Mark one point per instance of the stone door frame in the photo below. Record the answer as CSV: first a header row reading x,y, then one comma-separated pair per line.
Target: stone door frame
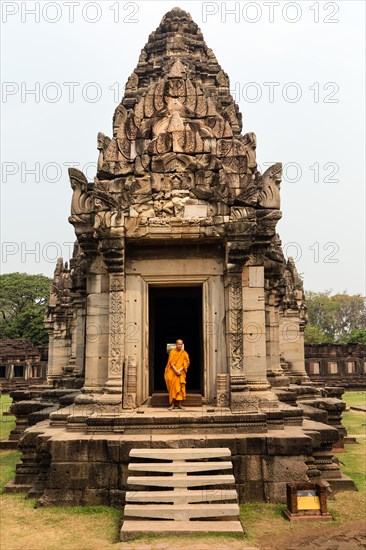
x,y
213,319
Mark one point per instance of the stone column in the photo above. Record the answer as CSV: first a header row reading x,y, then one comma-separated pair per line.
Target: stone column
x,y
275,373
292,345
9,371
80,341
130,382
254,332
27,371
97,333
58,353
76,363
72,359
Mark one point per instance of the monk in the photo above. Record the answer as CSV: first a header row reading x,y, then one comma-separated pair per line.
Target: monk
x,y
175,375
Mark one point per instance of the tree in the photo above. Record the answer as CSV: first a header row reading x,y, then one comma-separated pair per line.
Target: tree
x,y
23,300
335,317
315,335
356,336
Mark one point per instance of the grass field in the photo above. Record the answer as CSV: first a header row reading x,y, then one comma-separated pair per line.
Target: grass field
x,y
354,460
355,398
7,423
95,528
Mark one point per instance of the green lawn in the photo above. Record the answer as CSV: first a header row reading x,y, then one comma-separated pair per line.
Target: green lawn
x,y
7,423
354,460
8,461
355,398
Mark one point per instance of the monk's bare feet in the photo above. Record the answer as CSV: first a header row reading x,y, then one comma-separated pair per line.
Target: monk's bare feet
x,y
181,408
171,408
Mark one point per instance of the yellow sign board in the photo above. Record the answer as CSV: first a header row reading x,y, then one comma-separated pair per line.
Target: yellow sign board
x,y
308,500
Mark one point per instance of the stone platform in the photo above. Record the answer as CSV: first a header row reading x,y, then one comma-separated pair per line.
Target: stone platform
x,y
75,459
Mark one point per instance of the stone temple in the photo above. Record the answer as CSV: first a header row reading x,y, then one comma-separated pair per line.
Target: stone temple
x,y
176,238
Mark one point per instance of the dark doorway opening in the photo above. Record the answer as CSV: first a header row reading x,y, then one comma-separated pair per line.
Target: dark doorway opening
x,y
175,312
18,371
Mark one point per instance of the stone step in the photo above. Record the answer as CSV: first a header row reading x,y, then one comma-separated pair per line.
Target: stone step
x,y
179,466
180,480
342,483
132,529
12,487
181,454
8,444
182,496
162,400
181,512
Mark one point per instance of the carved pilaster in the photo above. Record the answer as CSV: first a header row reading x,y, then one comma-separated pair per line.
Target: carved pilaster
x,y
234,329
116,333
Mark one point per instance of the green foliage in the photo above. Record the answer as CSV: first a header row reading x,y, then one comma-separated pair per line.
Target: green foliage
x,y
315,335
22,306
340,318
356,336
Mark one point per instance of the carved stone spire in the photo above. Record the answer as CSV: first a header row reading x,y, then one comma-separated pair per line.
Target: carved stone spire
x,y
177,46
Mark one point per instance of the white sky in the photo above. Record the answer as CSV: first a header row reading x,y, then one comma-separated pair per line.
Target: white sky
x,y
313,49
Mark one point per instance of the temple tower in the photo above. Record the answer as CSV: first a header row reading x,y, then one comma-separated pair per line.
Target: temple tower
x,y
176,237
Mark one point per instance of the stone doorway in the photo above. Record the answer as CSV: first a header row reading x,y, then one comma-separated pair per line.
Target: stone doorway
x,y
175,312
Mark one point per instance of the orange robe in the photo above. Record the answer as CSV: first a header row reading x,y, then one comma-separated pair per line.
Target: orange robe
x,y
176,385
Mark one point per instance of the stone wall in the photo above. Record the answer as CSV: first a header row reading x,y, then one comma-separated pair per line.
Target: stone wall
x,y
337,365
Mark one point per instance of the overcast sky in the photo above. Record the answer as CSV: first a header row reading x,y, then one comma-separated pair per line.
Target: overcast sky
x,y
296,69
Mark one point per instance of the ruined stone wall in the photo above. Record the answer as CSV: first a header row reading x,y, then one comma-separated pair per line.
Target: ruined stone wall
x,y
337,365
21,365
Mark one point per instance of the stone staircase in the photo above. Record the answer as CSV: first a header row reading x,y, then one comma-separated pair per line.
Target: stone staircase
x,y
187,493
